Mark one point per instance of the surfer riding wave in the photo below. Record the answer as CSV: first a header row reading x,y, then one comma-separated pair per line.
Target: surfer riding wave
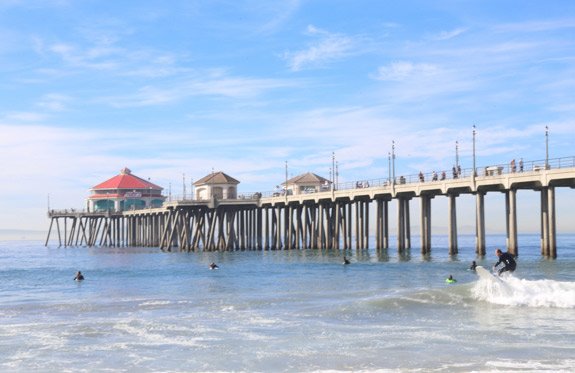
x,y
507,259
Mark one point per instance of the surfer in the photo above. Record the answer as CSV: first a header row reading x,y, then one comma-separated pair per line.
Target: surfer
x,y
346,261
473,266
214,266
79,276
450,280
508,261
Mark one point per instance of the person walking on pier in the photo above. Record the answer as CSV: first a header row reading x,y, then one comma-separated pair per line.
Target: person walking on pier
x,y
508,261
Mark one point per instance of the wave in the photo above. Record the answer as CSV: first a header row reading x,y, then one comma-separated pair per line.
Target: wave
x,y
513,291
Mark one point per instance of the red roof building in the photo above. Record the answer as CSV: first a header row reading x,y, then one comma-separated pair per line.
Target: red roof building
x,y
125,192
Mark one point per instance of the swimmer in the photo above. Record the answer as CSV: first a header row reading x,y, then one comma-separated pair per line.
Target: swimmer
x,y
214,266
473,266
79,276
345,261
450,280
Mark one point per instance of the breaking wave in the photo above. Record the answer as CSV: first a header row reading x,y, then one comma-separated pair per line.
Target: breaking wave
x,y
513,291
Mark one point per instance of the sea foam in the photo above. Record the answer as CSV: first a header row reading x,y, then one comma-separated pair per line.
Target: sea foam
x,y
513,291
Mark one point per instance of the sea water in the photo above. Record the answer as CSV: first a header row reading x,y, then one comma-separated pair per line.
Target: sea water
x,y
142,310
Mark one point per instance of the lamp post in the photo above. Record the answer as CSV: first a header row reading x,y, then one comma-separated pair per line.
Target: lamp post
x,y
286,182
393,161
389,167
333,171
546,147
474,152
336,173
184,186
457,154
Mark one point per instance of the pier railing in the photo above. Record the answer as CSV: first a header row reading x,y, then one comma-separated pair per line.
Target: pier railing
x,y
492,170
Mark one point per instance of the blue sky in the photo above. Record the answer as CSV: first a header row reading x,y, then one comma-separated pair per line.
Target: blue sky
x,y
184,87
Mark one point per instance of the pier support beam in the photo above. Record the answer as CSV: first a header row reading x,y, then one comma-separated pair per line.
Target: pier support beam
x,y
452,221
480,224
382,225
511,209
403,224
425,224
548,228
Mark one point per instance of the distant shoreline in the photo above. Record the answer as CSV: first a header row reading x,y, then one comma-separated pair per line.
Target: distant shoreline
x,y
22,235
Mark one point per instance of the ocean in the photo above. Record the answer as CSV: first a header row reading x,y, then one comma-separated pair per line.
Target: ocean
x,y
142,310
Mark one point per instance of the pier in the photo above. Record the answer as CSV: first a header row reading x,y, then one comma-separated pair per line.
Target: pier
x,y
338,218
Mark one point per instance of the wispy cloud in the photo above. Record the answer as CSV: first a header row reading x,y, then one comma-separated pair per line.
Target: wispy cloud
x,y
328,48
446,35
403,70
212,84
24,116
54,102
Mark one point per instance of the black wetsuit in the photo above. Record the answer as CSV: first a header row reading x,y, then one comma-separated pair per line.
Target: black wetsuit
x,y
509,262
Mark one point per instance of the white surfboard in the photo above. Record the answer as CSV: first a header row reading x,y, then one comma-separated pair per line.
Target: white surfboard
x,y
485,274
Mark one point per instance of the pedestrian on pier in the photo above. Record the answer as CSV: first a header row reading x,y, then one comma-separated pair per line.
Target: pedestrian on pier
x,y
434,176
521,165
454,172
513,165
421,178
443,175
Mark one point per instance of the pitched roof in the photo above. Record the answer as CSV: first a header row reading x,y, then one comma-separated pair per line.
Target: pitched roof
x,y
217,178
307,178
125,180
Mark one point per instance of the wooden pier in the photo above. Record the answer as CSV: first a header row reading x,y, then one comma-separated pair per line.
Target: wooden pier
x,y
335,219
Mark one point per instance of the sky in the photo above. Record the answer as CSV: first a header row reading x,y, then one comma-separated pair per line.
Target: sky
x,y
176,89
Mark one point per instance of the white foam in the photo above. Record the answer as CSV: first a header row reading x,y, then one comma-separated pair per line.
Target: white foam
x,y
514,291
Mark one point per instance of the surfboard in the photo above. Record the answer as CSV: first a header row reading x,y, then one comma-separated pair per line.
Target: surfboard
x,y
485,274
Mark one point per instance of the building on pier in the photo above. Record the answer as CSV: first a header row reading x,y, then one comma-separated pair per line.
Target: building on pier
x,y
125,192
306,183
216,185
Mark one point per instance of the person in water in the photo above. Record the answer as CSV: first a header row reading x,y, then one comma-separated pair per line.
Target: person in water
x,y
214,266
473,266
508,261
79,276
450,279
346,261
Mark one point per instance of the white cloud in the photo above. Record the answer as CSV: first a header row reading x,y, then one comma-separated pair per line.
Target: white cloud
x,y
24,116
403,70
54,102
215,84
328,48
446,35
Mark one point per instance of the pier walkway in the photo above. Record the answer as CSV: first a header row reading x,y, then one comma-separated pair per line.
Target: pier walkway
x,y
334,219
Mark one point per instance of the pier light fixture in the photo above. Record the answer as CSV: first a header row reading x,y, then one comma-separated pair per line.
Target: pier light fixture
x,y
393,161
389,167
474,151
457,154
286,185
546,147
336,173
333,171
